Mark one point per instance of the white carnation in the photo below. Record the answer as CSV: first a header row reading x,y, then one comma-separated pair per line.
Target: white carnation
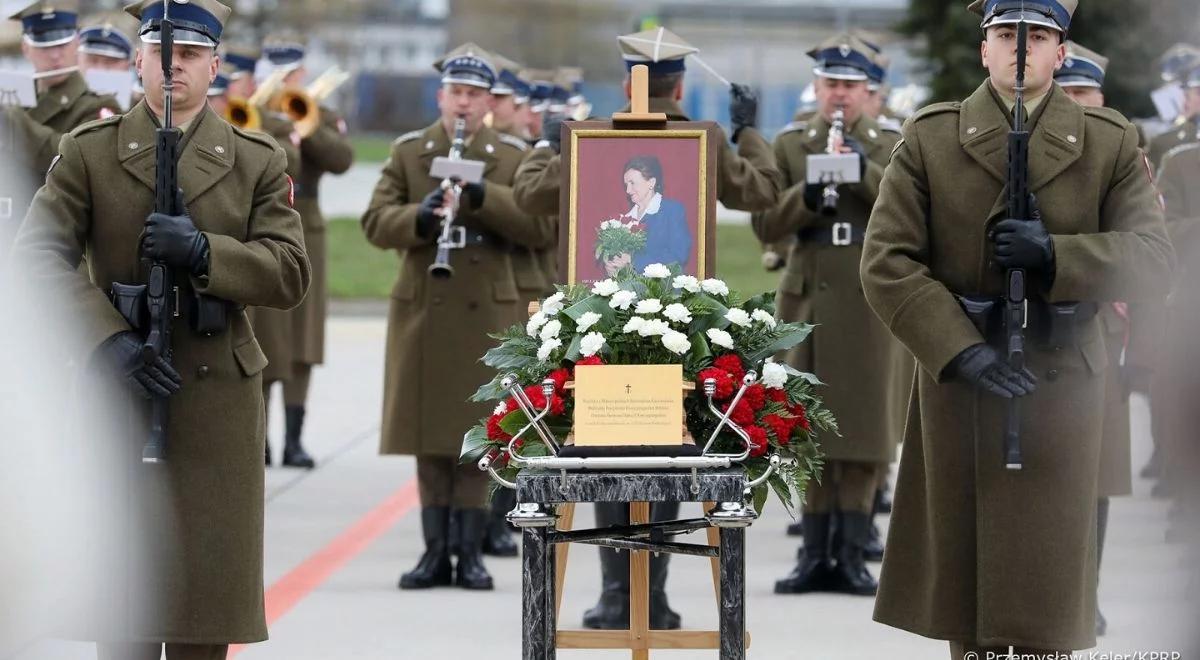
x,y
591,344
656,271
678,313
653,328
550,330
548,347
676,342
648,306
500,409
587,320
622,300
605,288
607,224
634,324
720,338
738,317
535,322
715,287
774,375
687,283
554,304
763,317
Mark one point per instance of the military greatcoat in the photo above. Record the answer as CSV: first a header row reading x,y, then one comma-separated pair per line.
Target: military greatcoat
x,y
983,554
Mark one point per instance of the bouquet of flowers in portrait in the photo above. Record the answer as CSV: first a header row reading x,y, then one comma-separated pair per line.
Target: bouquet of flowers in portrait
x,y
615,238
661,317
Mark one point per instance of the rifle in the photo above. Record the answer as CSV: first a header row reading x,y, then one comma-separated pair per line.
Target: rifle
x,y
161,294
1015,302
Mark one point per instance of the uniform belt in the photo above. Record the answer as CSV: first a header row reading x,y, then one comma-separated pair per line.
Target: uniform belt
x,y
839,234
465,237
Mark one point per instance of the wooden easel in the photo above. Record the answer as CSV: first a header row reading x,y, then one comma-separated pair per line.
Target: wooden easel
x,y
639,639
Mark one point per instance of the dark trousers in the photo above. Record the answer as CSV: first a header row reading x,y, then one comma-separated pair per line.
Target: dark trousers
x,y
443,482
844,486
151,651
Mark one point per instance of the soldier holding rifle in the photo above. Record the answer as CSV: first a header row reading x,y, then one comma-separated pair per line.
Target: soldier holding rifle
x,y
233,241
982,554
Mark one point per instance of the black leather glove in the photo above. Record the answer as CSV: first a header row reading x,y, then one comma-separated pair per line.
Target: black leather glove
x,y
1024,244
122,353
552,130
814,195
981,366
743,109
429,213
856,147
473,193
174,239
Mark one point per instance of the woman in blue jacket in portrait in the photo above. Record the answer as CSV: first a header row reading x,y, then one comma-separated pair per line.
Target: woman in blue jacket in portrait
x,y
668,239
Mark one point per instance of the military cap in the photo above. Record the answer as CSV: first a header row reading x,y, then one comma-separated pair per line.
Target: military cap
x,y
240,60
506,74
1177,61
197,22
1192,78
109,34
1081,68
843,57
220,84
1054,14
877,74
540,89
284,50
47,23
559,98
467,65
661,50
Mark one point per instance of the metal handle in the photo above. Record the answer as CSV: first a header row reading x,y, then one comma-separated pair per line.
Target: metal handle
x,y
710,389
771,468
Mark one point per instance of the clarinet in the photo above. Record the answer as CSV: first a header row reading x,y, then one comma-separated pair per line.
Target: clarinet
x,y
441,268
833,144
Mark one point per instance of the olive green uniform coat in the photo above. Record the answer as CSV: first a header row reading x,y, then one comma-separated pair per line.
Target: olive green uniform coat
x,y
851,351
1186,133
438,328
978,553
202,511
747,179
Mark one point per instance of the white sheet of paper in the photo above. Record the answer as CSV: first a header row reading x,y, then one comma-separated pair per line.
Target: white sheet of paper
x,y
468,171
17,89
117,83
833,168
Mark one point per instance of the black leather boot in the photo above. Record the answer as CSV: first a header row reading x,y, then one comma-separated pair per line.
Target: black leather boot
x,y
813,572
433,569
873,550
796,528
612,611
662,617
497,542
469,571
883,501
293,453
267,443
850,575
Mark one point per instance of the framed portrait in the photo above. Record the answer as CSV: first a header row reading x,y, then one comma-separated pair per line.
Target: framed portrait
x,y
636,196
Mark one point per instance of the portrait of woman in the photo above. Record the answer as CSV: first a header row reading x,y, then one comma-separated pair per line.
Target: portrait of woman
x,y
663,220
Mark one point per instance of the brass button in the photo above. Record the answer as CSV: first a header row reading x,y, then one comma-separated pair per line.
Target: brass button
x,y
1052,375
219,149
972,131
133,145
202,371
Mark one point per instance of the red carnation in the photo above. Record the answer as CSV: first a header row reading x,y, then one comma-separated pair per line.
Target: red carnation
x,y
731,364
560,378
742,415
590,360
725,385
758,440
781,427
801,415
776,395
534,392
755,396
494,432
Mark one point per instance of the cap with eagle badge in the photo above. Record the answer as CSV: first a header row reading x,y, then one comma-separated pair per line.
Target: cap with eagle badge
x,y
220,84
844,57
508,81
240,60
46,23
1177,61
467,65
197,22
540,88
284,50
1053,14
110,34
1081,68
661,50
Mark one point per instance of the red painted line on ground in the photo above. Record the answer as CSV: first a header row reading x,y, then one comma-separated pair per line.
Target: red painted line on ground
x,y
294,587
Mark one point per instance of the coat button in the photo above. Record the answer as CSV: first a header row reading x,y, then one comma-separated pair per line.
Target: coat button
x,y
437,300
1052,375
472,305
823,286
202,371
972,130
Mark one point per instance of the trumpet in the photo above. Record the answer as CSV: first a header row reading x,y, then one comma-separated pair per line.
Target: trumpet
x,y
833,145
245,113
441,268
303,106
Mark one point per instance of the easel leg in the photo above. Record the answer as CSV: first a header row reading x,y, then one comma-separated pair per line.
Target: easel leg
x,y
537,596
566,522
733,594
639,587
714,539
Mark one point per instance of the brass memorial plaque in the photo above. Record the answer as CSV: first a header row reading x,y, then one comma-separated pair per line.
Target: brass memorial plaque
x,y
628,405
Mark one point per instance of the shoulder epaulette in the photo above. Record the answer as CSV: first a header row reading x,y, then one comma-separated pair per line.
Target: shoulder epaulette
x,y
937,109
1108,114
97,124
407,137
891,126
793,127
514,141
261,138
